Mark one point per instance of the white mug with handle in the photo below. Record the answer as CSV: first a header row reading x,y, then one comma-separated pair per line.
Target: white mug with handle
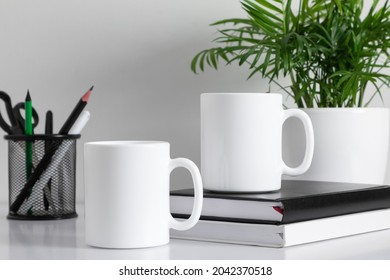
x,y
127,193
241,141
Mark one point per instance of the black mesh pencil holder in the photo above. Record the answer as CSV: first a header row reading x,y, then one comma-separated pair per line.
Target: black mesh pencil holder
x,y
42,176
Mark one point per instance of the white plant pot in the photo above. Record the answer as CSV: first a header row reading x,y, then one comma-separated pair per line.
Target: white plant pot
x,y
351,145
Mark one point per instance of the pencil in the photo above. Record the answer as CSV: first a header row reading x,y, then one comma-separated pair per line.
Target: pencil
x,y
76,112
28,132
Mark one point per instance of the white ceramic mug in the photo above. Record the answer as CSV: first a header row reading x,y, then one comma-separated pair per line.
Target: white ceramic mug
x,y
241,141
127,193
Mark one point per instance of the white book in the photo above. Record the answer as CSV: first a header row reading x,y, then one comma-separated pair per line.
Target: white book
x,y
285,235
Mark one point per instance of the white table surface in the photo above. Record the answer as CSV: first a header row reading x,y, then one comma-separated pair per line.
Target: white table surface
x,y
64,239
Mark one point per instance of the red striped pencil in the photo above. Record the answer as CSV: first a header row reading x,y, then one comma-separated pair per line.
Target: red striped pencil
x,y
76,112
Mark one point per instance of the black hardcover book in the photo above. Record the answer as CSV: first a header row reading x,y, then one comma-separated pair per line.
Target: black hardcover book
x,y
296,201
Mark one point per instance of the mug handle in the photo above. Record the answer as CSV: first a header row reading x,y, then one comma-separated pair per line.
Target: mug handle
x,y
198,197
309,151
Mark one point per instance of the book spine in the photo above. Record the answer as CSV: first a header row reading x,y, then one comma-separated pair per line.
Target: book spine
x,y
317,207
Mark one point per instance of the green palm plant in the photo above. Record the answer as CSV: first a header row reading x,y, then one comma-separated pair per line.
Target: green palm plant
x,y
330,49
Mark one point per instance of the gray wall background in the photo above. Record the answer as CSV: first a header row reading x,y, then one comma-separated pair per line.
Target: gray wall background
x,y
136,53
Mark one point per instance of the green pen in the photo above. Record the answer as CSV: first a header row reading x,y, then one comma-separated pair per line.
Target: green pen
x,y
28,132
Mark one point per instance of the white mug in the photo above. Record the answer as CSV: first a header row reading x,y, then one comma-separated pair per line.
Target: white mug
x,y
241,141
127,193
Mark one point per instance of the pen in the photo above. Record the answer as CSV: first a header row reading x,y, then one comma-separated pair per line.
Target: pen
x,y
76,112
48,131
49,123
80,123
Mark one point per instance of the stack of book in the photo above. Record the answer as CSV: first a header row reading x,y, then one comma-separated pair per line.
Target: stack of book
x,y
300,212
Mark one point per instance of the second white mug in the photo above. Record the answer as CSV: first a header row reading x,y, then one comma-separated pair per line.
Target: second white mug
x,y
241,141
127,193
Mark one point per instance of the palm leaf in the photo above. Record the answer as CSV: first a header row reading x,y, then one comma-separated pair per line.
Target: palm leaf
x,y
329,50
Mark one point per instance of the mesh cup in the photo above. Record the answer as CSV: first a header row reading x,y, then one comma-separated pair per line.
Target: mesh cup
x,y
54,199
